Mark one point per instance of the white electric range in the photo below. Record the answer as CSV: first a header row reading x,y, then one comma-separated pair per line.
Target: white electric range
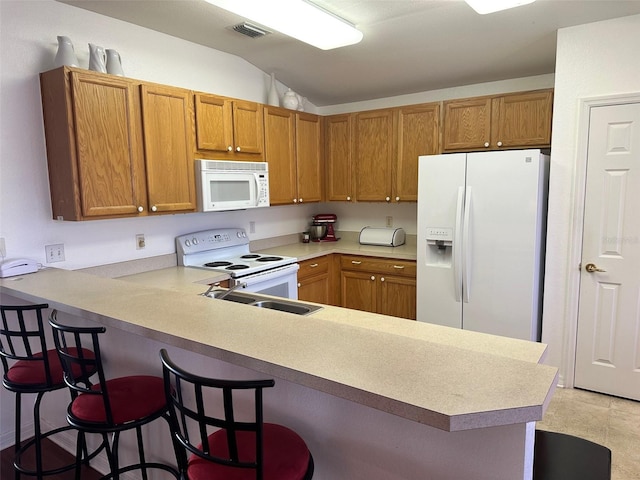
x,y
227,250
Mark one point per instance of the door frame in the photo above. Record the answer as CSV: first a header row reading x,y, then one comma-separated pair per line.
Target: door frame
x,y
577,230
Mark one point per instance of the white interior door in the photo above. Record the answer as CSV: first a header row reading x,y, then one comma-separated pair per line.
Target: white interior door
x,y
608,338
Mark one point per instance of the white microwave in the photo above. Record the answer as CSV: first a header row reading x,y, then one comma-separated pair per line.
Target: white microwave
x,y
228,185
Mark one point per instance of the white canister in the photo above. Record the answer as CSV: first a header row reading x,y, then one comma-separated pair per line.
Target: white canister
x,y
97,58
114,63
66,55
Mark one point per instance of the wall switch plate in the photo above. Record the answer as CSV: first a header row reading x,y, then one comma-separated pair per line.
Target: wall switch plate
x,y
252,227
3,248
389,221
140,242
55,253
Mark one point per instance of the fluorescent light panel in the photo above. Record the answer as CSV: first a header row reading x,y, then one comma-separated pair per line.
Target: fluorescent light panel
x,y
298,19
489,6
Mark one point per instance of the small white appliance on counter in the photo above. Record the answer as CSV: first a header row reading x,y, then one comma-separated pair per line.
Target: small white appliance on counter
x,y
386,237
481,241
227,185
226,250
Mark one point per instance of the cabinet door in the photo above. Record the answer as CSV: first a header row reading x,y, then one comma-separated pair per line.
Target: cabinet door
x,y
315,289
374,155
309,157
110,167
522,120
338,158
467,124
214,123
397,297
279,125
167,115
419,132
358,291
248,127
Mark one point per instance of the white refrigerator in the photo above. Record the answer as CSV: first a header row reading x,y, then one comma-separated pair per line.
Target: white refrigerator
x,y
481,238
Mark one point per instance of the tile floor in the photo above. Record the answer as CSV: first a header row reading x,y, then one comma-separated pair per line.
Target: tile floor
x,y
610,421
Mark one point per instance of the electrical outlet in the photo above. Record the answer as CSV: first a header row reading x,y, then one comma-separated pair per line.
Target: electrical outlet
x,y
140,243
252,227
55,253
389,221
3,248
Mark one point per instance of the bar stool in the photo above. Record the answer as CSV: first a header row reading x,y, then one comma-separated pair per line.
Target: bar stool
x,y
558,456
32,373
110,406
239,449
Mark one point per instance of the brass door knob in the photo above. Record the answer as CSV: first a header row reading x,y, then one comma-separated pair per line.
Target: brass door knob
x,y
592,267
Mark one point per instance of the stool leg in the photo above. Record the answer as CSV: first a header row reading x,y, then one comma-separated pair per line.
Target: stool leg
x,y
141,451
17,430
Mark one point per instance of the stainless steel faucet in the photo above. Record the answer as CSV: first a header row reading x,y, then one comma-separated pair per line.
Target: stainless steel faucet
x,y
224,294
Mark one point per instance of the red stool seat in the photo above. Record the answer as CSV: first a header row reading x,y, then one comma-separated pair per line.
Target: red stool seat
x,y
33,373
285,456
131,398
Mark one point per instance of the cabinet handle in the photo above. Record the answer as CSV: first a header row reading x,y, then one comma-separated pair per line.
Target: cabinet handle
x,y
313,265
355,262
229,148
237,149
348,199
300,200
499,144
154,209
299,284
397,199
388,198
372,277
295,200
399,267
486,144
382,279
140,208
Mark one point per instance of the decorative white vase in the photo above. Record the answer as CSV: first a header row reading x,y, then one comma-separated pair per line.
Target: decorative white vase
x,y
66,55
273,98
97,58
290,100
114,63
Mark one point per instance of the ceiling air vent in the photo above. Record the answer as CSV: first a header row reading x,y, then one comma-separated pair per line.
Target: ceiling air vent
x,y
250,30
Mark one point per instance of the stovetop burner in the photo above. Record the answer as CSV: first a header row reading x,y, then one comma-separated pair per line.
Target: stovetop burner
x,y
217,264
237,267
251,255
269,259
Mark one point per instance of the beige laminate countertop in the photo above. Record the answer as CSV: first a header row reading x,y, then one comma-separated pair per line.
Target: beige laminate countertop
x,y
446,378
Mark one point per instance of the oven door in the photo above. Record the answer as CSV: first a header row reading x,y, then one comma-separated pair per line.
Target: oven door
x,y
278,282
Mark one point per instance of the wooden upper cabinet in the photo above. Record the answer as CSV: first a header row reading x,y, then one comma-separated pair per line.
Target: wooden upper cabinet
x,y
309,157
94,145
374,150
467,124
418,134
167,116
279,143
338,157
517,120
522,120
116,147
233,129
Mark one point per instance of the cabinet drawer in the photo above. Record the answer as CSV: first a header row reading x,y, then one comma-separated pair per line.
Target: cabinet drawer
x,y
379,265
313,266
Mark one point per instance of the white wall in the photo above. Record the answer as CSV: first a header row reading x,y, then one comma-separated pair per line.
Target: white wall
x,y
593,60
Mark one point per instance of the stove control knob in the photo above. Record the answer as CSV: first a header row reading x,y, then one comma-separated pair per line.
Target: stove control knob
x,y
194,241
187,243
239,234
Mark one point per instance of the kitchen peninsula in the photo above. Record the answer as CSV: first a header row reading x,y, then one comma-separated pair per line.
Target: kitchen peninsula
x,y
373,397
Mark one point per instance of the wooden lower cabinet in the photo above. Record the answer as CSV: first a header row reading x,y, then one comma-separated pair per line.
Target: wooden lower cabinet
x,y
314,280
378,285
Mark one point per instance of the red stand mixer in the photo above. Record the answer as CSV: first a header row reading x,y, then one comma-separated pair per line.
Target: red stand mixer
x,y
327,220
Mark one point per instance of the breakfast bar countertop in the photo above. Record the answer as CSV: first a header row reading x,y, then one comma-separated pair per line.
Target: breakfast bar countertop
x,y
442,377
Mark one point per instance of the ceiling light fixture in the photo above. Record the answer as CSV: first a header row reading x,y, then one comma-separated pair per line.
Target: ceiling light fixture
x,y
489,6
296,18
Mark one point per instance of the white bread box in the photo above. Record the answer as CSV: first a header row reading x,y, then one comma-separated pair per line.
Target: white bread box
x,y
387,237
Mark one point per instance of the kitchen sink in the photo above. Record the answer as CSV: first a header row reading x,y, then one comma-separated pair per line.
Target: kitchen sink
x,y
260,301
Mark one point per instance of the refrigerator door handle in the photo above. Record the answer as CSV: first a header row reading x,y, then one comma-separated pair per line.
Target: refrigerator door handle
x,y
466,242
457,247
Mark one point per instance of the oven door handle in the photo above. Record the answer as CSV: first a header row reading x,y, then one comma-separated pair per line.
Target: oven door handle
x,y
263,276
